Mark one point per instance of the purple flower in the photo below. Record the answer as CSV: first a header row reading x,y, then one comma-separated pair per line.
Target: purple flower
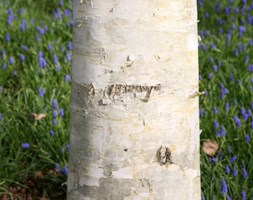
x,y
54,114
227,106
223,132
67,147
41,92
233,159
4,66
11,60
244,172
234,171
42,62
244,195
58,67
224,91
23,25
40,30
215,124
51,132
227,169
25,145
69,46
54,104
7,37
61,3
237,121
55,59
68,56
203,48
215,110
67,78
49,47
25,48
61,112
54,122
224,187
22,57
59,15
57,167
228,197
10,17
247,138
65,170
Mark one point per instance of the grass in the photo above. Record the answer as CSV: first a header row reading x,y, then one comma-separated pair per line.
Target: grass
x,y
35,48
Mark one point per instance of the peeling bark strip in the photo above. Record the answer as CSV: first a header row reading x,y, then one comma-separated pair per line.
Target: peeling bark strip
x,y
119,89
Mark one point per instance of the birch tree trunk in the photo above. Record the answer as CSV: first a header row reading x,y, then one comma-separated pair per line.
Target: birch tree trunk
x,y
134,105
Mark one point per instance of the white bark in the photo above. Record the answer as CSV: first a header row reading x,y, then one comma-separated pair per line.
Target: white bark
x,y
117,124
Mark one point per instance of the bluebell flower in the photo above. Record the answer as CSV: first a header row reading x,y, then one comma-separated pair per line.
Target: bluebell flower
x,y
4,66
206,15
209,75
10,17
7,37
237,121
54,122
11,60
49,47
61,112
59,15
250,42
203,46
54,114
228,197
61,2
233,159
67,12
215,124
212,46
54,104
217,8
215,110
68,56
213,159
227,10
41,92
3,53
57,167
38,39
244,172
227,169
246,59
220,30
247,138
69,46
23,25
67,147
51,132
224,187
67,78
244,197
58,67
65,170
42,62
25,145
223,132
234,171
40,30
22,57
25,48
227,106
224,91
55,58
215,68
